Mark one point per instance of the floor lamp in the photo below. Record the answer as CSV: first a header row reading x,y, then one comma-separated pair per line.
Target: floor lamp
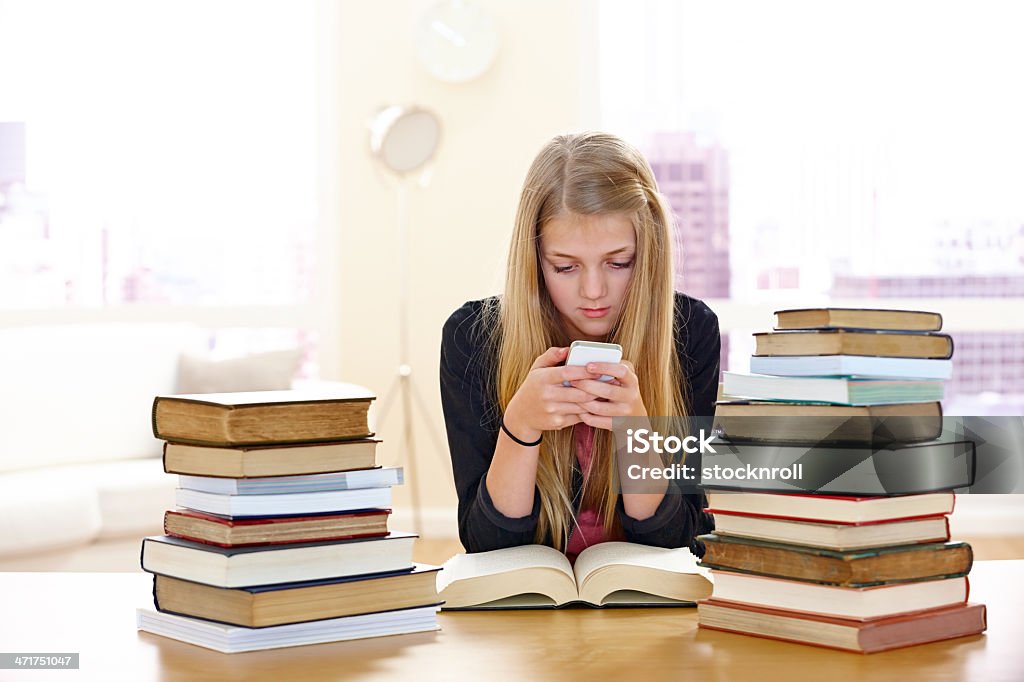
x,y
404,140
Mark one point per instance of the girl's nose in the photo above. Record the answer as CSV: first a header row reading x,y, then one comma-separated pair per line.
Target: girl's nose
x,y
593,285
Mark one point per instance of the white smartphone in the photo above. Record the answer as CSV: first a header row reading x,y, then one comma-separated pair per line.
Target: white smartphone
x,y
585,352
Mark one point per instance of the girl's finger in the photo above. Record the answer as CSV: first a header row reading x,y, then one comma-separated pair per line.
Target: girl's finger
x,y
563,394
563,408
560,421
596,421
602,389
613,369
560,375
604,409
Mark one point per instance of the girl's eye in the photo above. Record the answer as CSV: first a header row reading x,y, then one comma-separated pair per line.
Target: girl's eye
x,y
622,265
563,268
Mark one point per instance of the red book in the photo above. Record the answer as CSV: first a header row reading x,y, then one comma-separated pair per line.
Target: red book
x,y
222,531
881,634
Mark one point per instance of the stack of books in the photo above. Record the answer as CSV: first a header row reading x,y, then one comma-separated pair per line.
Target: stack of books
x,y
860,572
281,536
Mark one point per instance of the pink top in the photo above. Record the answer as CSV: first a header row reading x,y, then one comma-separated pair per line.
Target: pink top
x,y
590,529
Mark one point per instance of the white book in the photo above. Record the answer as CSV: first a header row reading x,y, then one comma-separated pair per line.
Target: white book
x,y
838,390
859,603
275,564
826,508
839,537
605,574
284,503
380,477
231,639
851,365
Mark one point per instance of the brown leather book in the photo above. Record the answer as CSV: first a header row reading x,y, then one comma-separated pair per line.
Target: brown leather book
x,y
869,342
862,318
263,417
851,568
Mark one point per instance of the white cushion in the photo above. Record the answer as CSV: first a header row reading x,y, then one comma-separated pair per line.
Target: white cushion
x,y
39,513
132,495
83,393
271,371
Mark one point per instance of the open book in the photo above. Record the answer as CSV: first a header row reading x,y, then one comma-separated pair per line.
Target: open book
x,y
606,574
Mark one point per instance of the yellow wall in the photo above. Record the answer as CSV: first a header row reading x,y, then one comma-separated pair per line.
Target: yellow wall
x,y
540,85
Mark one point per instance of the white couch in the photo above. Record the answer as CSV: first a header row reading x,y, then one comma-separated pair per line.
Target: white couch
x,y
78,460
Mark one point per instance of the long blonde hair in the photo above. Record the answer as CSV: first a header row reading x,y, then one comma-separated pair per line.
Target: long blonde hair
x,y
587,174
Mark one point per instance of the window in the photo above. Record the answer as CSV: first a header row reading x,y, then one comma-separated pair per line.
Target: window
x,y
139,171
830,164
160,155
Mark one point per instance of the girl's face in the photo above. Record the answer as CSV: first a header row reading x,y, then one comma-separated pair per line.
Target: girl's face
x,y
587,261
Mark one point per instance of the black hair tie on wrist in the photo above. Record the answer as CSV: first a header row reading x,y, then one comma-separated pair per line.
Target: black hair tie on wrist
x,y
521,442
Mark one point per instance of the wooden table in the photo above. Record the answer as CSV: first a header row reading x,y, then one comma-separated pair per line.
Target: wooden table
x,y
94,614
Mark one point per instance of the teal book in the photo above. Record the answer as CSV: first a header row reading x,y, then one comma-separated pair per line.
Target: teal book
x,y
836,390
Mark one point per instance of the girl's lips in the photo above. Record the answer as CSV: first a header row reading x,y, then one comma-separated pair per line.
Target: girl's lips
x,y
595,312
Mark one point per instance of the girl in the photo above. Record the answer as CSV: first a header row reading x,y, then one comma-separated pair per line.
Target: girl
x,y
590,259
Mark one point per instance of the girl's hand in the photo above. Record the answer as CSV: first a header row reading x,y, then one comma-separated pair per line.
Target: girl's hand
x,y
542,402
619,397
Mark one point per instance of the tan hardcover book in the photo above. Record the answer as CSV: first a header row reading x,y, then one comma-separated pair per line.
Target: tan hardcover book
x,y
816,423
269,460
871,636
257,607
853,568
860,318
263,417
854,342
606,574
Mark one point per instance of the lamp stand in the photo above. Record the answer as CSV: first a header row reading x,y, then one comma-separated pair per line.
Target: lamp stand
x,y
402,384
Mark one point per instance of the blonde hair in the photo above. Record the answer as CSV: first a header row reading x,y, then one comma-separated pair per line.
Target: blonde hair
x,y
587,174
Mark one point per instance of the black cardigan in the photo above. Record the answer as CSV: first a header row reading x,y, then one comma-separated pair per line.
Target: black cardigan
x,y
472,418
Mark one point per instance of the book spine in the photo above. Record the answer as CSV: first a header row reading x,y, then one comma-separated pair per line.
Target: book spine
x,y
156,427
282,543
779,638
829,521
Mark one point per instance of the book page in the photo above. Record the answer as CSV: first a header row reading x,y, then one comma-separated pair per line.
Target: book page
x,y
529,600
636,597
480,564
679,560
328,392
